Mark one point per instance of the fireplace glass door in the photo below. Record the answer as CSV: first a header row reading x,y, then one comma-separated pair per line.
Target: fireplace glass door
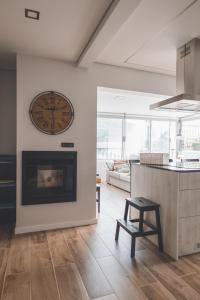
x,y
48,177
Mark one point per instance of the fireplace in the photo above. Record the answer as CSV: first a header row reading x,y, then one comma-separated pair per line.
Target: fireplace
x,y
48,177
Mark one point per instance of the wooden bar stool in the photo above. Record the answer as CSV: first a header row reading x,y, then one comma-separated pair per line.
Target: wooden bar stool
x,y
142,205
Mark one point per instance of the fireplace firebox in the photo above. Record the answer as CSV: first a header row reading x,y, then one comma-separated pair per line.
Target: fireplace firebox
x,y
48,177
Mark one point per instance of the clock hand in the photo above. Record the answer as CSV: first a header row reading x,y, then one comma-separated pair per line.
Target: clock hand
x,y
60,108
66,112
53,119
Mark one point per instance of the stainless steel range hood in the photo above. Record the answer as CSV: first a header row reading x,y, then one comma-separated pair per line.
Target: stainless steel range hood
x,y
187,81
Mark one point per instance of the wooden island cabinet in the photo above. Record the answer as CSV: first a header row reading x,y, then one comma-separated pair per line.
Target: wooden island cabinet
x,y
177,190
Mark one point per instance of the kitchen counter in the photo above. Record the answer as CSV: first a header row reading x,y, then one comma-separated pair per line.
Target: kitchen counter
x,y
184,167
177,190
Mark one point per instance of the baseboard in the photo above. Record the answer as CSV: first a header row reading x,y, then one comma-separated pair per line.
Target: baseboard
x,y
44,227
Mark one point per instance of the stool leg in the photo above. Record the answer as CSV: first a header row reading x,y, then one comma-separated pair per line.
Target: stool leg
x,y
117,232
98,201
160,242
126,210
133,246
141,221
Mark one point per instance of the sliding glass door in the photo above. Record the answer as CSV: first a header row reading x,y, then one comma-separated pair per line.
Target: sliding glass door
x,y
137,137
109,138
160,136
191,139
124,137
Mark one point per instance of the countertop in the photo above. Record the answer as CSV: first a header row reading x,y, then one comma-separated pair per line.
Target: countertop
x,y
186,167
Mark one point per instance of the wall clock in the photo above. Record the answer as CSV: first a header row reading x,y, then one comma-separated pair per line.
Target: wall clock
x,y
51,112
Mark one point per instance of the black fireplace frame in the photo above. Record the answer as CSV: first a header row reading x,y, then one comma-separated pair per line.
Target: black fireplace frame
x,y
54,195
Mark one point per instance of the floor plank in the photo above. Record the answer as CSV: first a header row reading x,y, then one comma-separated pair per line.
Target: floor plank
x,y
194,281
119,279
157,291
70,233
177,286
3,266
181,267
17,286
94,242
137,271
19,255
87,264
70,283
150,259
109,297
92,276
38,237
43,283
158,265
194,260
59,249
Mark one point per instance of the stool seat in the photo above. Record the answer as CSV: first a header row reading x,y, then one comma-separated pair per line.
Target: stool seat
x,y
142,203
98,187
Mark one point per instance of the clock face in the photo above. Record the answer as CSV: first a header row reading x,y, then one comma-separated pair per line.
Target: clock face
x,y
51,112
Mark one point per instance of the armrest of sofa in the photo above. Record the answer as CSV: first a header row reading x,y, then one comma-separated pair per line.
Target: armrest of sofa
x,y
107,176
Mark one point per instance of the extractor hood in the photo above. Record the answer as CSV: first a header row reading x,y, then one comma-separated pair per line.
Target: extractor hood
x,y
187,81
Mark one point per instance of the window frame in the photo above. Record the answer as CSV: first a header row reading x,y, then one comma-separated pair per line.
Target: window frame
x,y
125,117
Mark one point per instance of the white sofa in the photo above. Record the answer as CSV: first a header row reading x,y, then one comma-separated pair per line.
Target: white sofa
x,y
120,180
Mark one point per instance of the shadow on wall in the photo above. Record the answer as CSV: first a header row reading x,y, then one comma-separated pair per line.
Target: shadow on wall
x,y
7,111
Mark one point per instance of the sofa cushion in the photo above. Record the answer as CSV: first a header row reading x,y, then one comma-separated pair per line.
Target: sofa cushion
x,y
119,165
120,161
114,174
110,165
125,177
124,169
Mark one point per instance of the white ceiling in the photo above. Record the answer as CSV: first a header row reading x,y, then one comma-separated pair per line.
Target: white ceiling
x,y
149,38
141,34
63,30
130,102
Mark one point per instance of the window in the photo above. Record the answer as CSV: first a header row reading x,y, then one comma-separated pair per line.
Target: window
x,y
109,138
160,136
172,140
122,137
191,139
137,137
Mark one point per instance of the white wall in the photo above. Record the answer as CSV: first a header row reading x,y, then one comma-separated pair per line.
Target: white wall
x,y
7,111
35,75
101,169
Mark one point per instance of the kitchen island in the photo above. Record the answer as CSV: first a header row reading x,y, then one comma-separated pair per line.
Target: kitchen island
x,y
177,190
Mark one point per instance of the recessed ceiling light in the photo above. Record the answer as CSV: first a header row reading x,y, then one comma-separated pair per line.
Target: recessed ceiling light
x,y
119,98
32,14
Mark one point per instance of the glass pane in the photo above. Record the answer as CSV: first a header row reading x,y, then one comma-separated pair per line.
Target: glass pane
x,y
109,138
191,139
172,139
137,137
160,136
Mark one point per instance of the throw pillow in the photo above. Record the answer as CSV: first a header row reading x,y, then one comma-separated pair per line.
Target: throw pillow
x,y
110,165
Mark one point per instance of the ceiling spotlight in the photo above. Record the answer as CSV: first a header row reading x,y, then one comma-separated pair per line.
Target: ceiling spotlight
x,y
119,98
32,14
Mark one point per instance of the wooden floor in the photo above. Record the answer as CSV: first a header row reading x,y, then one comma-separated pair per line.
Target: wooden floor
x,y
85,263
